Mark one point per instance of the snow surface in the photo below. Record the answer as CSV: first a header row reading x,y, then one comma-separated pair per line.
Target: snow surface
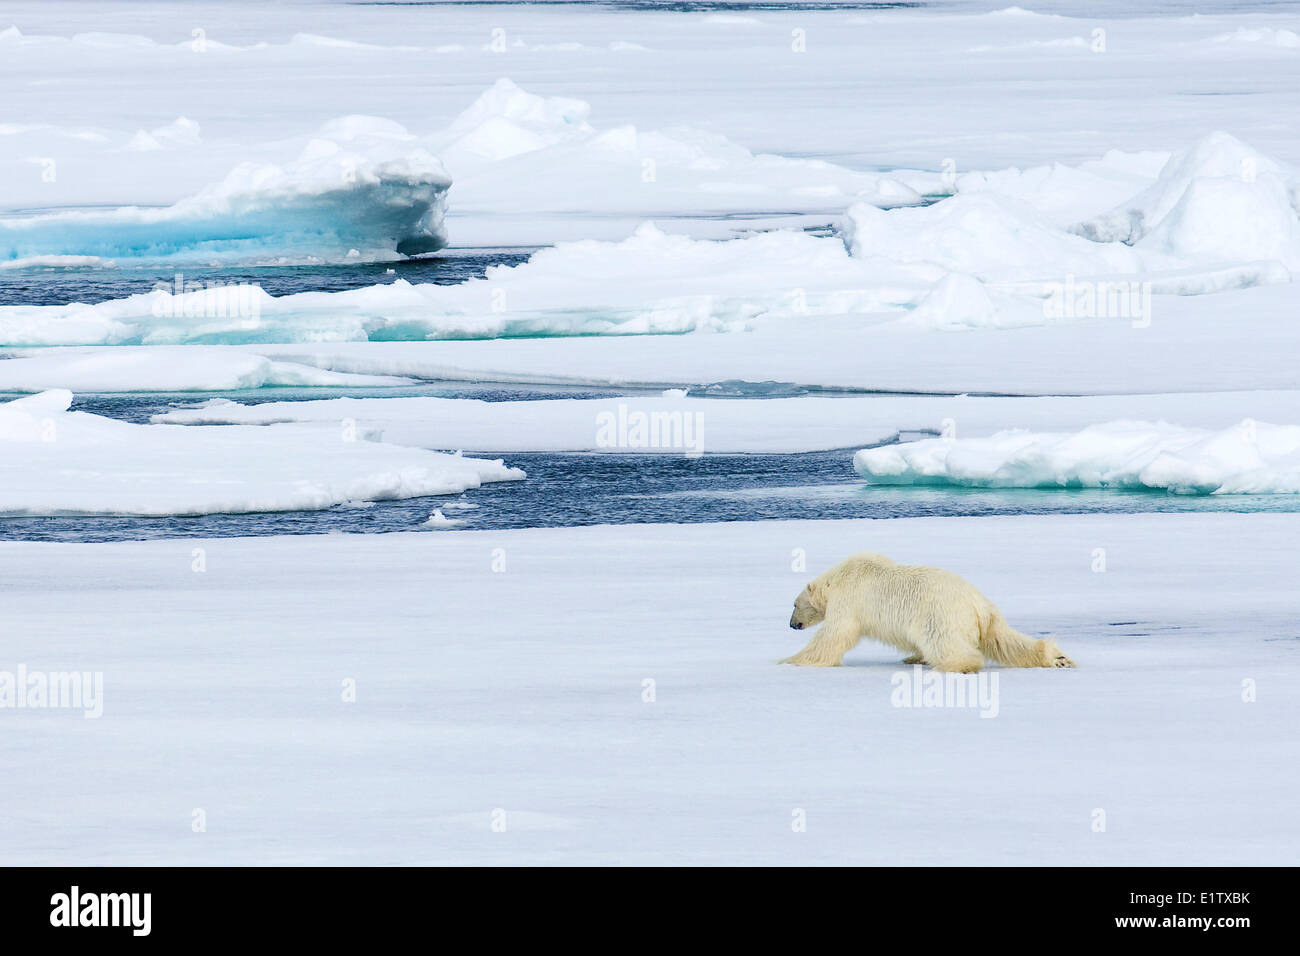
x,y
59,462
769,425
1036,96
1239,340
523,691
165,369
510,136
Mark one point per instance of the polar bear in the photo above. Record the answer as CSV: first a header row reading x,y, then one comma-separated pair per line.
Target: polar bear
x,y
935,616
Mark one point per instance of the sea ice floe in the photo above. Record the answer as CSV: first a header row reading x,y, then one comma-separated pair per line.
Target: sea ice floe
x,y
670,424
985,235
652,282
1218,215
56,461
370,184
440,522
1248,458
368,190
510,136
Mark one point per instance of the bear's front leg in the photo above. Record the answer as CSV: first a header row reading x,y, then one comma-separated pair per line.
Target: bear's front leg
x,y
914,659
828,646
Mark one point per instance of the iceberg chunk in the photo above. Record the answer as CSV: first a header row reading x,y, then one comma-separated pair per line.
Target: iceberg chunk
x,y
1249,458
1218,197
366,189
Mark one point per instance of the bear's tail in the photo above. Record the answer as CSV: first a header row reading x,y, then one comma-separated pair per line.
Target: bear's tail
x,y
1001,642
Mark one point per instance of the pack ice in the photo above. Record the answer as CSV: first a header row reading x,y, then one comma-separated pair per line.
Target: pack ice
x,y
55,461
1248,458
1215,216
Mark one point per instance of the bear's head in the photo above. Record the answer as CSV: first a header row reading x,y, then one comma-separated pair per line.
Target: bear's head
x,y
809,606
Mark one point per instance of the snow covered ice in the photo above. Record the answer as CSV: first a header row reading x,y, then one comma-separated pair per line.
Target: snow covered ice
x,y
654,282
1249,458
482,353
356,188
164,369
542,715
751,425
1218,216
56,461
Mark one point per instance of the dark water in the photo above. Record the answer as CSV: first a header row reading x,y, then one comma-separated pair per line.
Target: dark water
x,y
141,408
55,286
1067,8
564,490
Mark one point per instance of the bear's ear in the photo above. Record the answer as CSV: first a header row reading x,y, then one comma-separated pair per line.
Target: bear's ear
x,y
816,593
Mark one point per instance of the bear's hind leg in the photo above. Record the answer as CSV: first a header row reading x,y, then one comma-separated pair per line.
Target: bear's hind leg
x,y
947,649
944,648
1052,655
960,661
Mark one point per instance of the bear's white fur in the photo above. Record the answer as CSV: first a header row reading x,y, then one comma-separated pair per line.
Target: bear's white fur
x,y
935,616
